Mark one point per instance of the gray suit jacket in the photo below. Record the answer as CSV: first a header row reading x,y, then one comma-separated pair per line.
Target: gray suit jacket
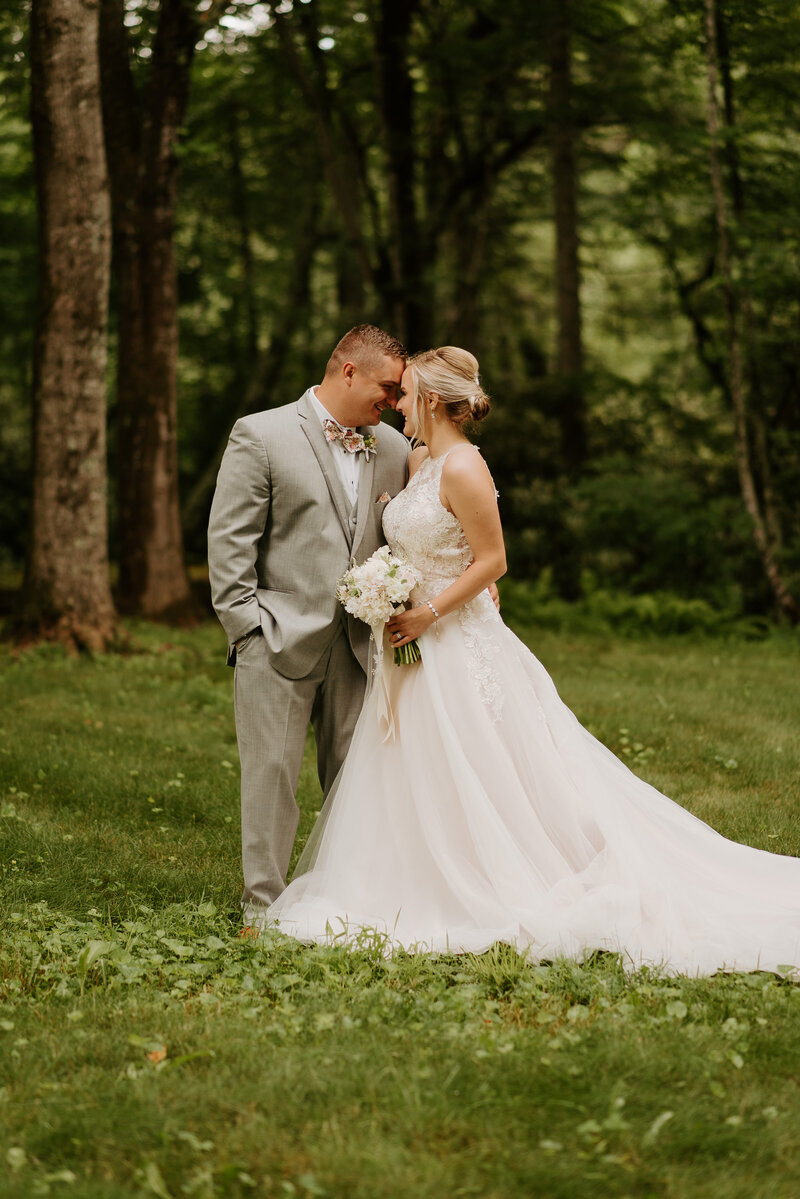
x,y
282,533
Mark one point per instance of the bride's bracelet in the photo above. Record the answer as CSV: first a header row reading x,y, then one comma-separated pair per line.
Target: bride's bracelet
x,y
433,610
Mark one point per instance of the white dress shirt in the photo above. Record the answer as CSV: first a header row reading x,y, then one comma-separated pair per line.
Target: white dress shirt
x,y
348,465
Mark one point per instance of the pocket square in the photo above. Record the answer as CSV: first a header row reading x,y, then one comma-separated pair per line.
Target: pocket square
x,y
383,498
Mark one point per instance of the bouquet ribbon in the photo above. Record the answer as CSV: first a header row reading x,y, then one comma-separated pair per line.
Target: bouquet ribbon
x,y
381,680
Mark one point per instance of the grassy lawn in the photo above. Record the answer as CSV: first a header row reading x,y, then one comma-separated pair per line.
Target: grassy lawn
x,y
145,1050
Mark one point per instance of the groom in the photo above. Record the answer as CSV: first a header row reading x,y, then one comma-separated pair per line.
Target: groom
x,y
300,494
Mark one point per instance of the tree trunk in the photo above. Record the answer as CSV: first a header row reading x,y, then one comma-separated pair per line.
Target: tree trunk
x,y
730,147
469,237
756,420
351,293
141,136
241,209
66,590
569,355
567,386
398,263
339,158
411,301
786,603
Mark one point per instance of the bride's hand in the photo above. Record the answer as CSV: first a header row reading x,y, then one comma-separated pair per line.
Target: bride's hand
x,y
409,624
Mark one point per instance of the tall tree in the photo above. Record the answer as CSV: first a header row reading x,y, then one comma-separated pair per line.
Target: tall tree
x,y
142,124
569,352
66,591
736,384
410,296
414,150
266,367
18,278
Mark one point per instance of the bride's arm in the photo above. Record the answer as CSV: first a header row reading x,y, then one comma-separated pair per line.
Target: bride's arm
x,y
469,492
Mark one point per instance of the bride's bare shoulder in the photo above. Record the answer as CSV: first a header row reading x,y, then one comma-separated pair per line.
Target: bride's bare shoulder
x,y
466,476
416,459
459,465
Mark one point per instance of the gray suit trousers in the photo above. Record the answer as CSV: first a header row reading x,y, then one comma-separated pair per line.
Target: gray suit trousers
x,y
272,717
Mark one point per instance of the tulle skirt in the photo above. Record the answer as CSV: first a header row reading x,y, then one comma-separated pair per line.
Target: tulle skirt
x,y
488,813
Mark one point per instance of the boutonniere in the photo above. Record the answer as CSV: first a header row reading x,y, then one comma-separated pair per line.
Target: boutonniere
x,y
383,498
370,446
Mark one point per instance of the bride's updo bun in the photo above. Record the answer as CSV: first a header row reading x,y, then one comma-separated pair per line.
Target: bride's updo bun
x,y
452,373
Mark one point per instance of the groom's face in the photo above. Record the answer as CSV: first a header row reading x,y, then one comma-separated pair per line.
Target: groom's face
x,y
373,388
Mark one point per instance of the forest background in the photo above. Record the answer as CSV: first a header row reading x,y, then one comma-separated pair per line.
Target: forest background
x,y
599,198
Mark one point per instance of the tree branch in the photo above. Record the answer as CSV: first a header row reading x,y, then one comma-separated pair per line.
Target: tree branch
x,y
268,365
313,87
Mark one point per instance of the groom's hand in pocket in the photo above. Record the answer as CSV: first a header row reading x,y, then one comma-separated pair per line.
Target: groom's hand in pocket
x,y
238,644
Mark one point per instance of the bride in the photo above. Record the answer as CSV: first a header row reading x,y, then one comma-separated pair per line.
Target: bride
x,y
481,810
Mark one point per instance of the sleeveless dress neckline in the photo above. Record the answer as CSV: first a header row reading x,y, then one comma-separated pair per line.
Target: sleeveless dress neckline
x,y
441,457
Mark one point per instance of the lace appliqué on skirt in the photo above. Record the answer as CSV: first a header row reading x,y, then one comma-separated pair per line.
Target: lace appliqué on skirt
x,y
476,619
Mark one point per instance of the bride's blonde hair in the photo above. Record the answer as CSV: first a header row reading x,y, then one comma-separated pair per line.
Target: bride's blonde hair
x,y
452,373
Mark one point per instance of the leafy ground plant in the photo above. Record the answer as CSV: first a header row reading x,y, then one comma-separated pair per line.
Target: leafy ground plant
x,y
145,1049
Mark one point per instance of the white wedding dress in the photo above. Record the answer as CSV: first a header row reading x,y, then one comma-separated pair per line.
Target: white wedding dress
x,y
488,813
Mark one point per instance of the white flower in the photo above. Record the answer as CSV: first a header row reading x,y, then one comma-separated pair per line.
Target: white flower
x,y
373,590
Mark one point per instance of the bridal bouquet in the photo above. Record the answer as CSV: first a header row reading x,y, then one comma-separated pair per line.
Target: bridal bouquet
x,y
373,590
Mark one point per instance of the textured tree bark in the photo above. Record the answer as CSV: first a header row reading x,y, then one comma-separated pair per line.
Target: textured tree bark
x,y
141,135
569,355
786,603
66,592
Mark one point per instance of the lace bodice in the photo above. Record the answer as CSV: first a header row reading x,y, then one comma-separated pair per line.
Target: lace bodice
x,y
420,529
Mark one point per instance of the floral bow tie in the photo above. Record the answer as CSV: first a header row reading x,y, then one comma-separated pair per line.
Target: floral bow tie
x,y
353,442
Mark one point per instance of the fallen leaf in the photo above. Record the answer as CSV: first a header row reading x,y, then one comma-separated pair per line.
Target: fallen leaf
x,y
154,1181
16,1158
656,1126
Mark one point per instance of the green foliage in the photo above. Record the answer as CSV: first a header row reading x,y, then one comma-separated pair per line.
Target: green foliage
x,y
639,528
657,507
600,610
354,1074
660,529
148,1050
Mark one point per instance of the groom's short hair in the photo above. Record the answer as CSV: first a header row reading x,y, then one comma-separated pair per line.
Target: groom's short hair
x,y
365,345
